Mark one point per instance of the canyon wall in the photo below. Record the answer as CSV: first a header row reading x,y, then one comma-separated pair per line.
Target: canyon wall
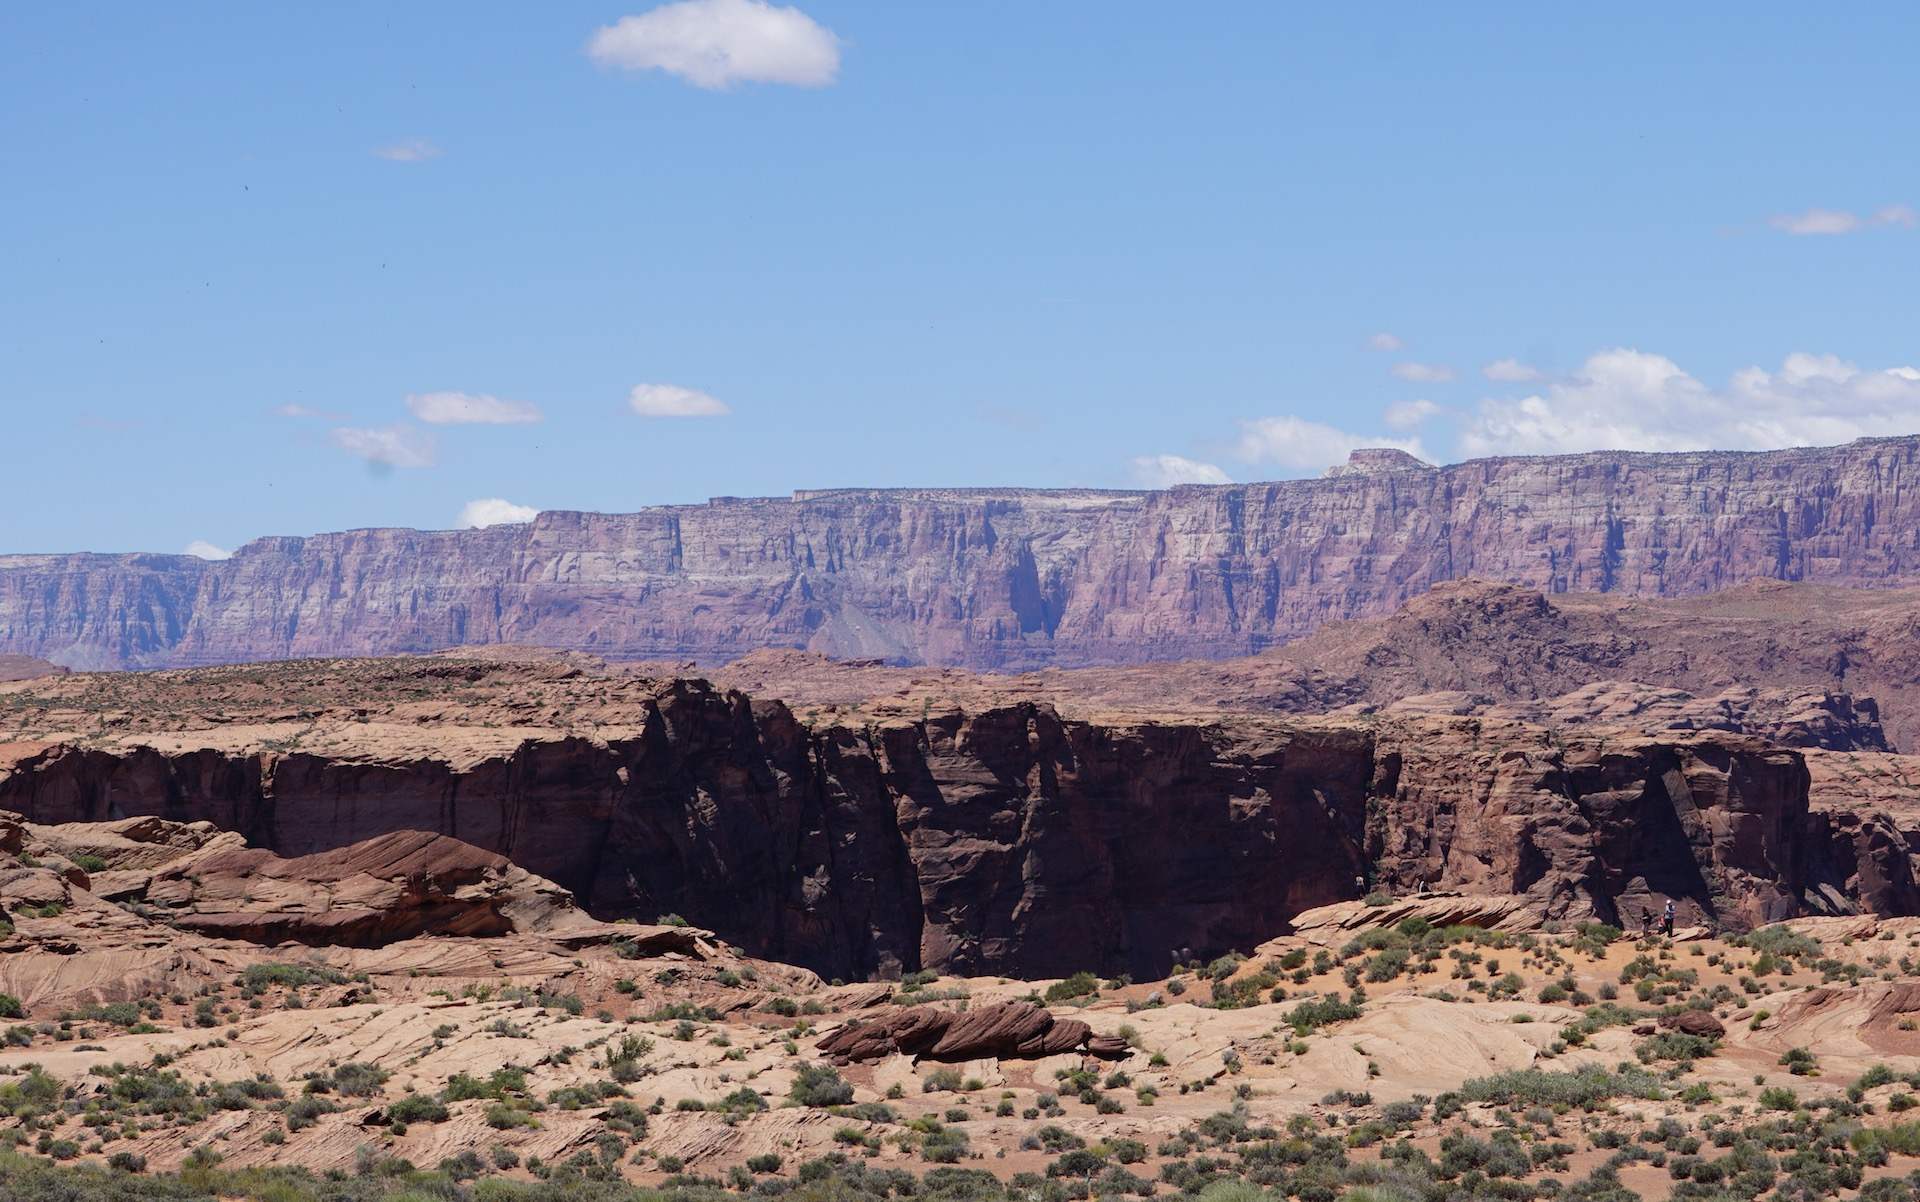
x,y
999,579
1015,841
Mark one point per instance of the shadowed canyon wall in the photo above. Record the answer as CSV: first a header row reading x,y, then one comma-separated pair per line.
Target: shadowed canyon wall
x,y
1015,841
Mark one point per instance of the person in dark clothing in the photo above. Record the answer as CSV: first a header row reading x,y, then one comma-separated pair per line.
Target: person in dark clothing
x,y
1666,920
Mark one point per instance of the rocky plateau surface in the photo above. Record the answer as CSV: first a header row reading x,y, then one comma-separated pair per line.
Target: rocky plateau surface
x,y
1014,838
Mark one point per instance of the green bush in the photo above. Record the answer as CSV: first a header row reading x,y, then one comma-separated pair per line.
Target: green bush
x,y
416,1109
818,1085
1079,985
1583,1088
1320,1012
259,977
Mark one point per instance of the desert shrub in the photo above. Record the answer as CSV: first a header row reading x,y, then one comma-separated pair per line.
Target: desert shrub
x,y
1899,1139
358,1080
1800,1062
1585,1087
1674,1045
741,1101
941,1079
1246,991
1781,941
818,1085
303,1112
1320,1012
35,1093
259,977
417,1109
504,1117
944,1146
1079,985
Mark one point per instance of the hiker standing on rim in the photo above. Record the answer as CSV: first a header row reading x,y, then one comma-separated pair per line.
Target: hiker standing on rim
x,y
1666,919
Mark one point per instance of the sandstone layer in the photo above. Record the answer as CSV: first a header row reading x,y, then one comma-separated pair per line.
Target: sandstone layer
x,y
1013,839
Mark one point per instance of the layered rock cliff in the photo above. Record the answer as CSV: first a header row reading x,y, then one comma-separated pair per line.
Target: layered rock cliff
x,y
1015,840
997,578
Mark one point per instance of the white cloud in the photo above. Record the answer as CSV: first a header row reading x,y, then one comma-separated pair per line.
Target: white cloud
x,y
1165,471
1632,400
719,43
1384,341
412,150
671,400
492,511
1512,371
386,446
1816,221
1423,373
200,548
466,409
1405,415
1840,221
1301,445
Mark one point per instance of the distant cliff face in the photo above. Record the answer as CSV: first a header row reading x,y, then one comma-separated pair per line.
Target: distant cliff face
x,y
996,578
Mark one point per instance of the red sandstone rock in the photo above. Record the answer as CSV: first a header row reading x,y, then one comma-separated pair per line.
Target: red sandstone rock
x,y
1003,1031
379,891
1017,840
1694,1022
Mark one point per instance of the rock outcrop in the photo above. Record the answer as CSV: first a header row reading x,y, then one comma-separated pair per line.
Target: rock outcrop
x,y
997,578
1334,925
1006,1030
366,894
1015,840
195,877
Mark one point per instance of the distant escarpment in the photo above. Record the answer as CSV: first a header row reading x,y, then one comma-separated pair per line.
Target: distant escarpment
x,y
1014,840
1000,579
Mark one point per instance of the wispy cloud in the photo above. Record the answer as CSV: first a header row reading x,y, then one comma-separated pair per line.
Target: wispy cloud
x,y
200,548
1386,342
1511,371
671,400
1405,415
493,511
1165,471
1830,222
302,413
385,446
1300,445
470,409
1423,373
718,43
411,150
1625,399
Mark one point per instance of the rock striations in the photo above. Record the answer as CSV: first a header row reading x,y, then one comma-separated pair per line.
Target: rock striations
x,y
1010,840
1001,579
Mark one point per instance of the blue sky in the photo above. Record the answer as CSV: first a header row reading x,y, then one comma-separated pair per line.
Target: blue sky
x,y
863,243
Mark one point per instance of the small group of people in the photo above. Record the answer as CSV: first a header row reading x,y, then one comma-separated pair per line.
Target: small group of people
x,y
1666,920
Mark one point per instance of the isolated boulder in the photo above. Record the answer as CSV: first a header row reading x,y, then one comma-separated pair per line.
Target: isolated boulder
x,y
1694,1022
1006,1030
